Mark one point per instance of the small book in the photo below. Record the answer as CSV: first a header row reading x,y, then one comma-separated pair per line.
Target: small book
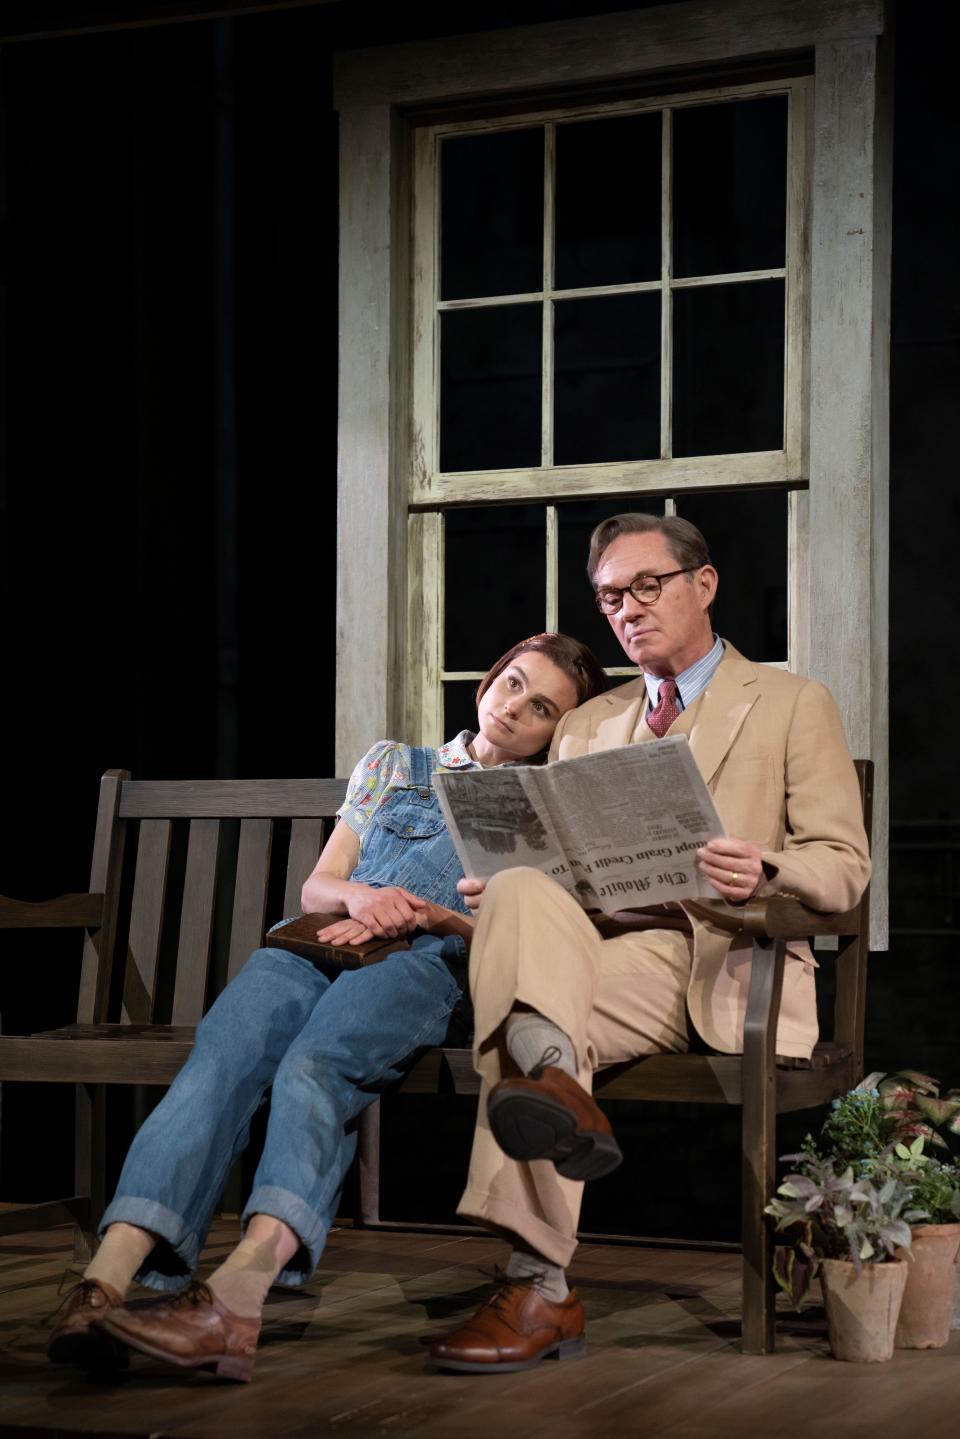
x,y
299,936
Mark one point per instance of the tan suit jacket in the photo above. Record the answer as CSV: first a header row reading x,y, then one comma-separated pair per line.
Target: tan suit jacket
x,y
770,746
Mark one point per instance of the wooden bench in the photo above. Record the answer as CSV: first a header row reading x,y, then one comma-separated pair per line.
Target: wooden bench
x,y
207,869
214,862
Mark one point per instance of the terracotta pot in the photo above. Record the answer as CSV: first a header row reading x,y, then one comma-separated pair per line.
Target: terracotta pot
x,y
862,1309
956,1298
927,1309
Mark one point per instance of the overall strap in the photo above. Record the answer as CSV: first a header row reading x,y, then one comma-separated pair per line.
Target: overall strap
x,y
423,761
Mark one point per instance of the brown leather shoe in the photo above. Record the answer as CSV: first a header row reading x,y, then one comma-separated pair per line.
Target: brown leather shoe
x,y
192,1331
515,1329
548,1115
75,1340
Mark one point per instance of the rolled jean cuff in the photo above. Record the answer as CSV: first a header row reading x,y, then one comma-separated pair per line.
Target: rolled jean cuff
x,y
174,1258
306,1224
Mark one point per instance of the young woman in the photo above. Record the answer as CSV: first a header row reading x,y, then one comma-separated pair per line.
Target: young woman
x,y
326,1048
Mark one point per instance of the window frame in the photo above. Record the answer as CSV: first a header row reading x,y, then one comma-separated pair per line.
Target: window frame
x,y
431,492
429,486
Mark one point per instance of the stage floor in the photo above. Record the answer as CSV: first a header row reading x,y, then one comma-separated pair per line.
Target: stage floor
x,y
346,1356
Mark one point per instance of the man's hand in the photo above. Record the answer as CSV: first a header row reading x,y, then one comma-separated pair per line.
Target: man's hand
x,y
472,891
733,866
386,913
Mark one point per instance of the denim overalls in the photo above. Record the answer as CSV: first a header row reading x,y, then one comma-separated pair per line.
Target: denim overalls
x,y
327,1049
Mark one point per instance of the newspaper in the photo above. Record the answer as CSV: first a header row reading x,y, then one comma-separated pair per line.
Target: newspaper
x,y
618,829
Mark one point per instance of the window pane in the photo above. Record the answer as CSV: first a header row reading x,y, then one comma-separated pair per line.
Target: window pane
x,y
730,187
491,214
490,399
607,384
577,614
747,538
608,202
495,581
459,707
728,368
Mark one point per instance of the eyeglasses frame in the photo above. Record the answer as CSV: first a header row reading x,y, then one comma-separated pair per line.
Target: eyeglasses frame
x,y
645,579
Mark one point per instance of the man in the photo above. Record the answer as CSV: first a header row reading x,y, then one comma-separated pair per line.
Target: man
x,y
554,1000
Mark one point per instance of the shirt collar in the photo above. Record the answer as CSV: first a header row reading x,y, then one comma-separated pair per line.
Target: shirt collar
x,y
693,681
455,755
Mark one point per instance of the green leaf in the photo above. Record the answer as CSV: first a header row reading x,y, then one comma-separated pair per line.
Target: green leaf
x,y
937,1111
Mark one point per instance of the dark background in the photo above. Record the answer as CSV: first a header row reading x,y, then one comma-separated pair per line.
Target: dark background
x,y
168,337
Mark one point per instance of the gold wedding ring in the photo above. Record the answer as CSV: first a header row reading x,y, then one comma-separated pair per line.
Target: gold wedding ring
x,y
734,876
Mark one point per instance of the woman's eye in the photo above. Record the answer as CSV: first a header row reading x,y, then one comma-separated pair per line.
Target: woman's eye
x,y
540,708
512,682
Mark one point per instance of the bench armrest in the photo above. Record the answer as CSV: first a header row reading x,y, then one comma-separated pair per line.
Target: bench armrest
x,y
67,911
780,917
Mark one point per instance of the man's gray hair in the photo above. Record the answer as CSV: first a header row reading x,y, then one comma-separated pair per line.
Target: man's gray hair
x,y
684,540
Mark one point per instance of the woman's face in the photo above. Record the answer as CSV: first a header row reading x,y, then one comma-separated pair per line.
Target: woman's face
x,y
520,710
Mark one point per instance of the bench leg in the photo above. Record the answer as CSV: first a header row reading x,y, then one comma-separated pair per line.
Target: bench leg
x,y
368,1157
759,1148
90,1165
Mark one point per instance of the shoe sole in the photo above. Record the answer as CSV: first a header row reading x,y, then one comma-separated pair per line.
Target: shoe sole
x,y
533,1126
89,1350
566,1349
224,1366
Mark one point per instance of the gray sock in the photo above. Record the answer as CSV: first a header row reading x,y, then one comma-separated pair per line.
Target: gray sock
x,y
532,1040
548,1279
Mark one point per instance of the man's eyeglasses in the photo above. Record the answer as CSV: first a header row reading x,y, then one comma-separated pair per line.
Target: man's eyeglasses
x,y
645,590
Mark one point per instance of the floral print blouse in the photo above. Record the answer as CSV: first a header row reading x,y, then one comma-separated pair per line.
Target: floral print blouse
x,y
385,768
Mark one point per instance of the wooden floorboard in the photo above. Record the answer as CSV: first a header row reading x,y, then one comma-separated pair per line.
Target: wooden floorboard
x,y
346,1356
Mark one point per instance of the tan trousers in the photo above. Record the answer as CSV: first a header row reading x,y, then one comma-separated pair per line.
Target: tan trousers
x,y
616,998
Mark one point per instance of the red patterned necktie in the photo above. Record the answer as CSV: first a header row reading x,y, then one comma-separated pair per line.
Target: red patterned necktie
x,y
661,718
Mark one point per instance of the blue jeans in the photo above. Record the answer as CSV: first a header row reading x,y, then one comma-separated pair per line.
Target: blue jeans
x,y
328,1048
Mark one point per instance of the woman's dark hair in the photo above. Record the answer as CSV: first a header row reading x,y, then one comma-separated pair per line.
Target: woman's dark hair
x,y
569,655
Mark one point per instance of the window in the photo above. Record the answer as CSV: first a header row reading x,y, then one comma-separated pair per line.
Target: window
x,y
608,315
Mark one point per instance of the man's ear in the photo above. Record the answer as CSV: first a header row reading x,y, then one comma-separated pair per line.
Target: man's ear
x,y
709,581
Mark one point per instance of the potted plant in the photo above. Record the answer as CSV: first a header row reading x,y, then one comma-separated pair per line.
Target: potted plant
x,y
911,1105
927,1309
853,1231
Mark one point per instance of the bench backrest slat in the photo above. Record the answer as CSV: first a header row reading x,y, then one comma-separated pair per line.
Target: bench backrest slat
x,y
306,838
231,798
196,921
146,920
250,893
105,871
851,963
197,908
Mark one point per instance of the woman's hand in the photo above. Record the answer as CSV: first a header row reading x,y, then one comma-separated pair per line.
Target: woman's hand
x,y
733,866
472,891
345,931
386,913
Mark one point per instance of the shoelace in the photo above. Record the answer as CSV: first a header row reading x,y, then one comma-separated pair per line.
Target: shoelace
x,y
549,1056
196,1293
502,1283
81,1296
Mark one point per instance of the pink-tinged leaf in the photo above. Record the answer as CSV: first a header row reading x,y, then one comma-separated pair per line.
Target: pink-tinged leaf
x,y
793,1271
922,1083
897,1098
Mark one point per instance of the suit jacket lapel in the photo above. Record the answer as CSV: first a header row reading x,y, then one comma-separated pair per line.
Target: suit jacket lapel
x,y
724,705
